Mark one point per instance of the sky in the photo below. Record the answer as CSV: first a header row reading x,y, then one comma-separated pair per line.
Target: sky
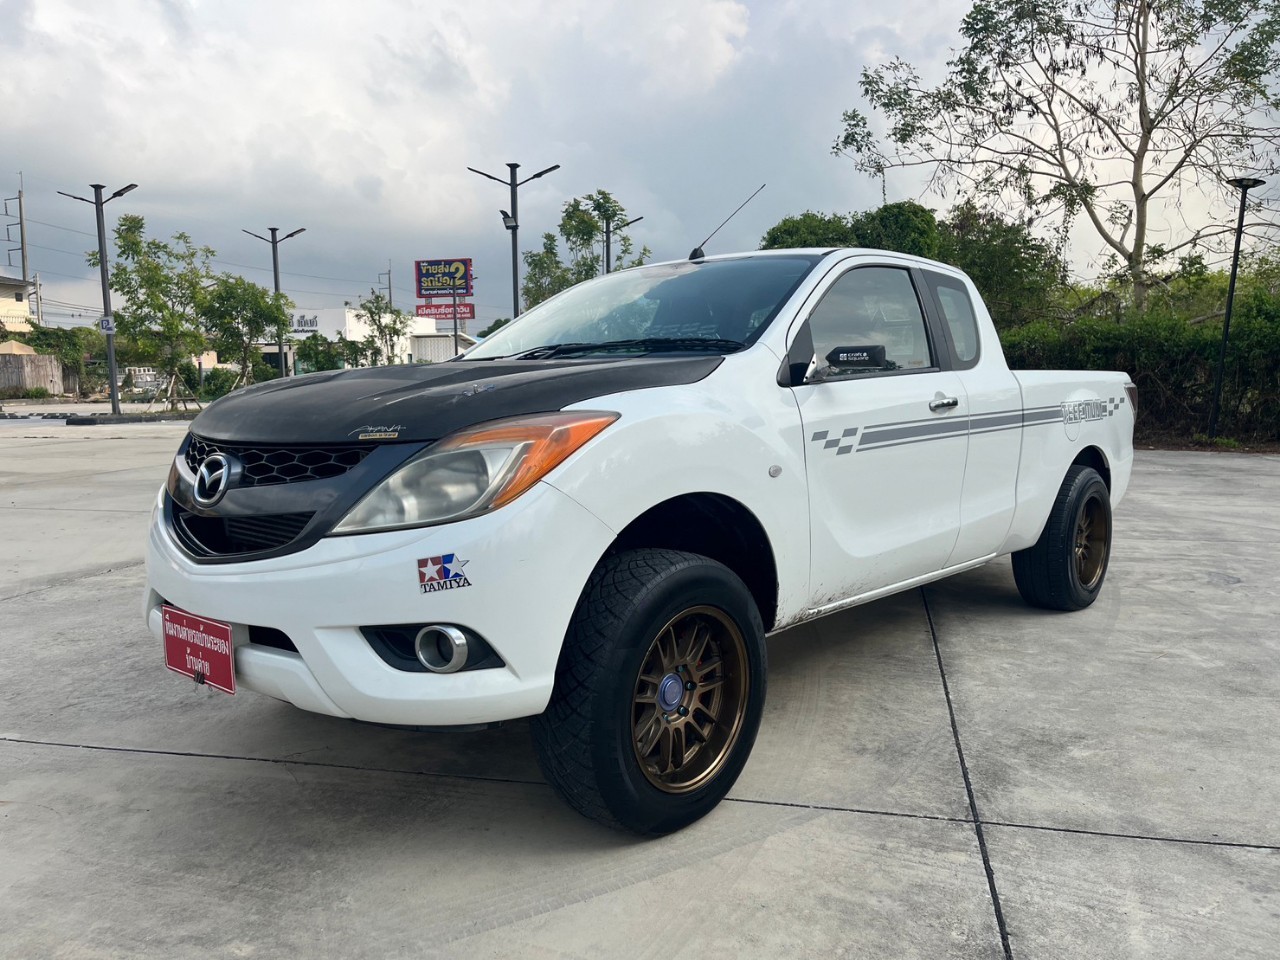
x,y
358,121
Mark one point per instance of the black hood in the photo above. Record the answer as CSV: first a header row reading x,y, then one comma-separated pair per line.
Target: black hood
x,y
427,401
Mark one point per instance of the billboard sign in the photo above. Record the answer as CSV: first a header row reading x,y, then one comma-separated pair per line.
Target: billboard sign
x,y
443,278
444,311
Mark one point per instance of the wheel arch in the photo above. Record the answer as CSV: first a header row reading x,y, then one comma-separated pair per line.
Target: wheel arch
x,y
1092,456
715,526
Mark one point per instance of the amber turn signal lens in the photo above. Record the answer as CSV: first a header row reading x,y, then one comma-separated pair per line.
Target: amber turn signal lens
x,y
548,440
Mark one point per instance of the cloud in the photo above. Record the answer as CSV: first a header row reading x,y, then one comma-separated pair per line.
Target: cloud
x,y
358,121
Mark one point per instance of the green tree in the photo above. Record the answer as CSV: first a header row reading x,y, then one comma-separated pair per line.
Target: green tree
x,y
1020,277
387,325
494,327
1115,108
582,227
317,352
238,316
810,229
161,285
218,382
356,353
76,348
904,227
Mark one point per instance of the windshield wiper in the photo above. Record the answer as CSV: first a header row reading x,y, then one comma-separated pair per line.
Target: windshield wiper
x,y
644,344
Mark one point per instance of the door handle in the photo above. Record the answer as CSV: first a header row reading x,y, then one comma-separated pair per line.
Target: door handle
x,y
943,403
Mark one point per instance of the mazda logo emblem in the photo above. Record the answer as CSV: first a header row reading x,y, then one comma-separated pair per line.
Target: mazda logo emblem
x,y
213,479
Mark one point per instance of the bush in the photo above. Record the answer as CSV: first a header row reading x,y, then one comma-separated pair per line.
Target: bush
x,y
1174,363
36,393
218,383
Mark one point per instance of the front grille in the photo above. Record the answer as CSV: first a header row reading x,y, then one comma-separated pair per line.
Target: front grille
x,y
263,465
222,536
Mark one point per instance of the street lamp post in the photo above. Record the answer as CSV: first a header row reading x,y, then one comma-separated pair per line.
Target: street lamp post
x,y
275,270
1244,185
608,241
511,220
98,203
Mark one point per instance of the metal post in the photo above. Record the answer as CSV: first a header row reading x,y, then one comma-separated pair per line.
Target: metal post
x,y
1243,184
608,236
515,243
22,233
456,351
275,272
106,296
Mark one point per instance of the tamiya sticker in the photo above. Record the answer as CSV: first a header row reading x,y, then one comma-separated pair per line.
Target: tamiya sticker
x,y
442,573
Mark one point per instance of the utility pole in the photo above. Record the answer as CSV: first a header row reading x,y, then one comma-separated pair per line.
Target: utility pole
x,y
390,302
456,351
275,271
511,221
39,302
22,228
108,323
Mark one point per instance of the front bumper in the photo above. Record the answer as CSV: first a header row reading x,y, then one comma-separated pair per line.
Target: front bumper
x,y
526,565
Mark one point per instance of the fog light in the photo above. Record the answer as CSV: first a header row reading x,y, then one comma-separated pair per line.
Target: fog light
x,y
441,649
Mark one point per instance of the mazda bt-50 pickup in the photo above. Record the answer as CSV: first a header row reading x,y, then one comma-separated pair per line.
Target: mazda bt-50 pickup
x,y
595,516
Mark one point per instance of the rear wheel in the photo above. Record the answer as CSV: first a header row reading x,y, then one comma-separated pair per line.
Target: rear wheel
x,y
658,694
1065,568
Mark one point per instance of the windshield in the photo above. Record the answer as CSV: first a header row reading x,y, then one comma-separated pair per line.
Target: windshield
x,y
718,305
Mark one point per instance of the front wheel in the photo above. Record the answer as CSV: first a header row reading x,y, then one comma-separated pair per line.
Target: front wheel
x,y
1065,568
658,694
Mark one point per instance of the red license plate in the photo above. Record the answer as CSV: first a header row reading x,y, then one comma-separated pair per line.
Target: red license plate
x,y
199,648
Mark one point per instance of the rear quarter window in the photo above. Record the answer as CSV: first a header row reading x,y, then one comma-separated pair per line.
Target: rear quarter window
x,y
953,300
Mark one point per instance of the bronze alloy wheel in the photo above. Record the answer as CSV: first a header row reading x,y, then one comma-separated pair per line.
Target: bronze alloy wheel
x,y
690,699
1091,542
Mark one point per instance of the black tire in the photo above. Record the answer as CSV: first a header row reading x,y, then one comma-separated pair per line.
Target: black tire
x,y
638,606
1065,568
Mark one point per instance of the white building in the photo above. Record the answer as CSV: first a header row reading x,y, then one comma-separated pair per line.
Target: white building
x,y
15,313
331,321
435,347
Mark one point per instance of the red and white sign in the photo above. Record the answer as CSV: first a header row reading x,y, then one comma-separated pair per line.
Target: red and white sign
x,y
199,648
444,311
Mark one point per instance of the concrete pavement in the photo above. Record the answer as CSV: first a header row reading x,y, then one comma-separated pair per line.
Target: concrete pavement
x,y
1121,762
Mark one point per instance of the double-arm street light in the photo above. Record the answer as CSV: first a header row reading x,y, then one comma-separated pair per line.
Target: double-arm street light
x,y
608,240
98,201
275,269
1244,185
511,220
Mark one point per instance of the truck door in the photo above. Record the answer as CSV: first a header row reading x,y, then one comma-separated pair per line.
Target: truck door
x,y
886,435
989,496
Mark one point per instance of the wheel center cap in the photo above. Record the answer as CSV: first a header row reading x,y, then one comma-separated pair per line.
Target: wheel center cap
x,y
670,692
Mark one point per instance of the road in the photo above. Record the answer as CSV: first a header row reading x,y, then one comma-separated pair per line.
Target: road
x,y
946,773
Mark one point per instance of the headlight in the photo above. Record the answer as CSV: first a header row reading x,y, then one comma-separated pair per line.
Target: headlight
x,y
473,471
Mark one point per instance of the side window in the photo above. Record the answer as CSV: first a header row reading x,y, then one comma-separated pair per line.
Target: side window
x,y
957,308
869,321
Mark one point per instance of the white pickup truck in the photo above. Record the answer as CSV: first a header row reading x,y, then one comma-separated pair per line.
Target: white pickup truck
x,y
595,516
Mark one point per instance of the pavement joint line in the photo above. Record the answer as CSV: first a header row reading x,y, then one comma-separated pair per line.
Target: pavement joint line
x,y
752,801
1115,835
1189,540
968,786
196,755
834,808
14,506
66,580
